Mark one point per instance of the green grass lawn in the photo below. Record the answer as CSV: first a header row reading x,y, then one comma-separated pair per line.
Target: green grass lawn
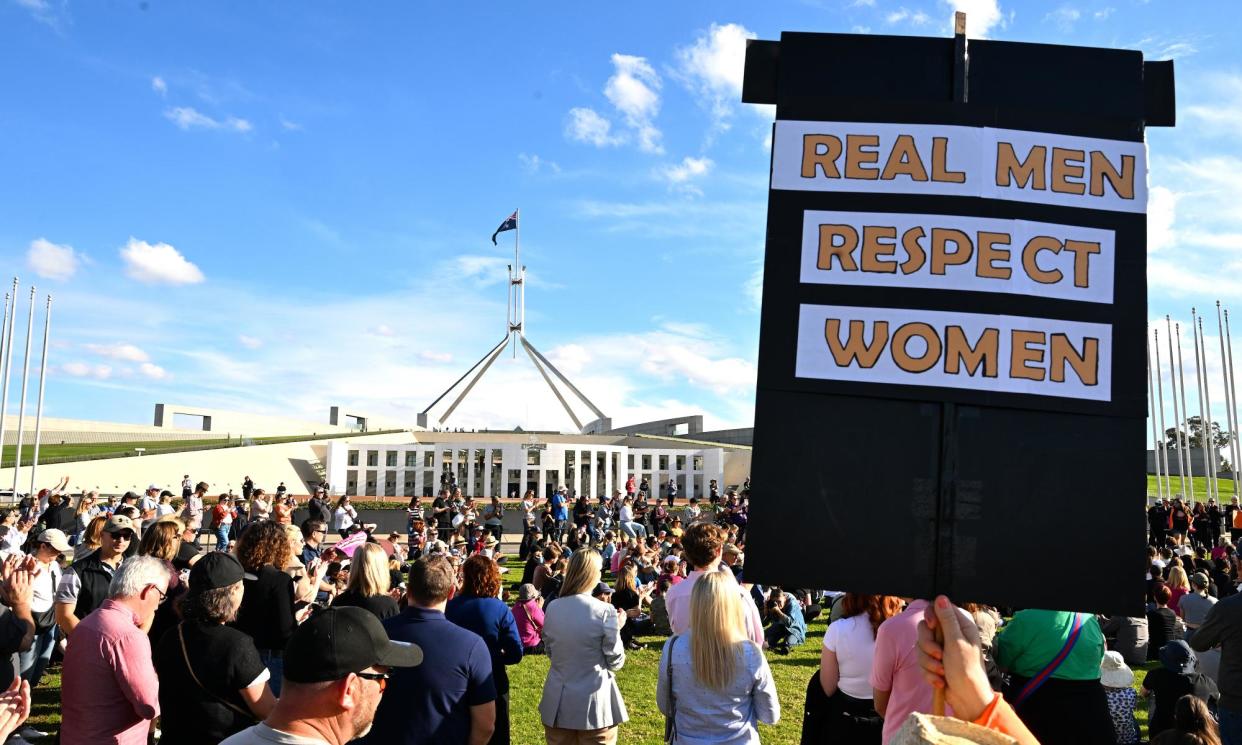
x,y
50,452
637,681
1199,489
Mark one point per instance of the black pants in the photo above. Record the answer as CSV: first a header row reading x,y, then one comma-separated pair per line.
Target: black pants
x,y
634,626
1065,712
839,718
500,735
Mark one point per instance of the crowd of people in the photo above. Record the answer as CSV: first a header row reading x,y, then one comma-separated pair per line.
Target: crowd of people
x,y
201,624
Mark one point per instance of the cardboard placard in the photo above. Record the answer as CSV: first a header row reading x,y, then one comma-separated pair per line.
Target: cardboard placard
x,y
951,371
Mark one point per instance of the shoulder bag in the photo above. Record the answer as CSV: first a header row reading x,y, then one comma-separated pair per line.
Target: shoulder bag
x,y
185,655
670,721
1042,676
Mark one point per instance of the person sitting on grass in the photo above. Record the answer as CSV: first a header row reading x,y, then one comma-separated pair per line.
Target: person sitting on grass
x,y
1193,724
786,625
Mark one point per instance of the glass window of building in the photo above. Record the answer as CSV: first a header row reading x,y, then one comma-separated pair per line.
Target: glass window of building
x,y
372,458
353,457
390,459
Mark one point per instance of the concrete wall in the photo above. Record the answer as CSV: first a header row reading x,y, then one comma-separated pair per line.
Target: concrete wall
x,y
1196,462
298,464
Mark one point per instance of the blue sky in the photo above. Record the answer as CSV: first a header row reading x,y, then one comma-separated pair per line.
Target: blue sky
x,y
281,207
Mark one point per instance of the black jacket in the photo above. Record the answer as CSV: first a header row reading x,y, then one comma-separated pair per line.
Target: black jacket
x,y
1223,628
95,577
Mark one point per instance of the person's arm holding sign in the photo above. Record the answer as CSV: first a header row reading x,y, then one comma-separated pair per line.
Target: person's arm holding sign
x,y
956,666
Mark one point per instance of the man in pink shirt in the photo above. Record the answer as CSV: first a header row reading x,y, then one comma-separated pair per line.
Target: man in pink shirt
x,y
109,690
703,544
896,678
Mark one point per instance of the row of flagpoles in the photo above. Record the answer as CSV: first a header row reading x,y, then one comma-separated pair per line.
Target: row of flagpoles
x,y
7,351
1168,485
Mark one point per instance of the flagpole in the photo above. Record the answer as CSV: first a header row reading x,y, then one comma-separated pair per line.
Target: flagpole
x,y
21,411
1207,402
1227,373
1177,421
1232,386
1164,446
1194,333
4,354
1151,414
8,363
1181,376
47,327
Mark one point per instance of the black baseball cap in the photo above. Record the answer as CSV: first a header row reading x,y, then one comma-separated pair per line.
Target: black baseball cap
x,y
338,641
215,570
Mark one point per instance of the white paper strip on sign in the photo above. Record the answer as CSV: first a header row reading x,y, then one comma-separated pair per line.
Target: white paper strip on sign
x,y
1016,165
1004,354
951,252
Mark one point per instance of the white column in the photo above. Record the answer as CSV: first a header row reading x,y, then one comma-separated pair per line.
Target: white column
x,y
469,490
689,475
609,455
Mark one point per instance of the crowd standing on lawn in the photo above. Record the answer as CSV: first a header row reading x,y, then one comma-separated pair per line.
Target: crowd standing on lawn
x,y
273,633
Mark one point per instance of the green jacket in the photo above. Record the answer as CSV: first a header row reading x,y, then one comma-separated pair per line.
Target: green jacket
x,y
1033,638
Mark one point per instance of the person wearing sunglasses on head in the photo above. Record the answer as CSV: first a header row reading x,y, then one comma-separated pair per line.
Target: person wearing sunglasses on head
x,y
109,690
337,671
84,585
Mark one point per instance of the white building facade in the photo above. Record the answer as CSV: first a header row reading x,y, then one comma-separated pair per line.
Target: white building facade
x,y
502,464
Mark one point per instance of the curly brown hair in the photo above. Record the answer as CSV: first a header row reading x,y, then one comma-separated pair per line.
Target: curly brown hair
x,y
480,577
878,608
262,543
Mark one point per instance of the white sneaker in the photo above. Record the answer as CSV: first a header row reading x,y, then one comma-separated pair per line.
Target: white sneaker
x,y
30,733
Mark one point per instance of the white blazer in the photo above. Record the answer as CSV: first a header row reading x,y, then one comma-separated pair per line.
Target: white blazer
x,y
583,640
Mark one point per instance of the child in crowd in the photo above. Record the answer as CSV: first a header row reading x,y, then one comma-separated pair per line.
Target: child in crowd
x,y
1117,679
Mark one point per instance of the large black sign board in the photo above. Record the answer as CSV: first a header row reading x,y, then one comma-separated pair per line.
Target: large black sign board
x,y
952,351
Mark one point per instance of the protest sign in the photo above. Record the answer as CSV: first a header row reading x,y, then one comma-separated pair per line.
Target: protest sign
x,y
952,345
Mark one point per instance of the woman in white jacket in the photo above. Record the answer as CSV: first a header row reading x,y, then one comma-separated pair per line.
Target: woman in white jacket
x,y
582,636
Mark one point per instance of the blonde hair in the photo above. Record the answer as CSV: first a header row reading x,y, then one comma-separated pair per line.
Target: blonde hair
x,y
583,572
1177,578
625,578
717,630
368,571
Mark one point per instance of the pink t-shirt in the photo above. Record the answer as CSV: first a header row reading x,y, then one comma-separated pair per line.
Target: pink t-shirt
x,y
109,689
895,668
677,600
528,617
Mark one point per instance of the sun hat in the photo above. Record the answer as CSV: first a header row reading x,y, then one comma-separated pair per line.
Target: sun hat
x,y
527,592
117,523
1177,657
1114,673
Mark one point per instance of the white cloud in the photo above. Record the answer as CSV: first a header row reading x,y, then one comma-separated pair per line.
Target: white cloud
x,y
680,175
916,17
585,125
753,289
188,118
154,372
84,370
119,351
1221,116
51,260
632,89
862,4
159,86
437,357
481,269
290,126
1103,13
981,16
1161,211
535,164
44,12
249,342
382,330
158,263
714,64
1064,17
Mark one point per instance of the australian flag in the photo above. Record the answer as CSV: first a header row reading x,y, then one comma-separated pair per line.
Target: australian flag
x,y
510,223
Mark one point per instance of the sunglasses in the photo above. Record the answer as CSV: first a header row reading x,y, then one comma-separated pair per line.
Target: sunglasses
x,y
381,678
122,535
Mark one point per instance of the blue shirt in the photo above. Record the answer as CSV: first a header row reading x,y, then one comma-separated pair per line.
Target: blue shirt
x,y
724,717
558,508
490,619
431,703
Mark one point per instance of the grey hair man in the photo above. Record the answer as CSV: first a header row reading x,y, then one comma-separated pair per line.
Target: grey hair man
x,y
110,692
